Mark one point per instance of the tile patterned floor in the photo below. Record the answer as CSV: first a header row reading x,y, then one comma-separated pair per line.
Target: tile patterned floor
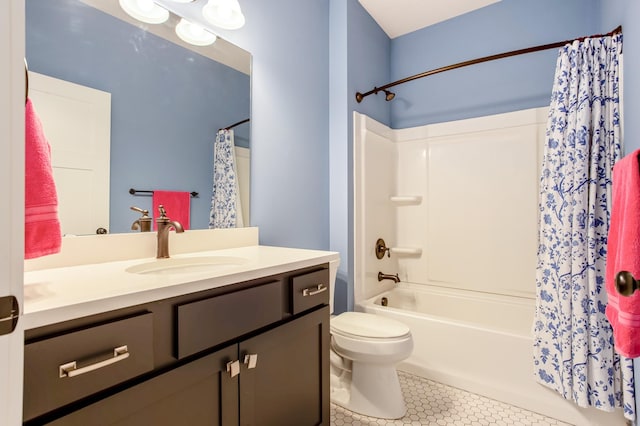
x,y
432,403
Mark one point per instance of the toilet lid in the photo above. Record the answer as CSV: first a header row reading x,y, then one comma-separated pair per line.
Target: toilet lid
x,y
368,325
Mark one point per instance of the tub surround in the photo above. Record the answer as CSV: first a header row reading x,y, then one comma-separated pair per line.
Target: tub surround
x,y
448,195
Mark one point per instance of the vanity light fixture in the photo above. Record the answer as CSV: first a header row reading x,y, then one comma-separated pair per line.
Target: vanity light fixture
x,y
225,14
194,33
145,11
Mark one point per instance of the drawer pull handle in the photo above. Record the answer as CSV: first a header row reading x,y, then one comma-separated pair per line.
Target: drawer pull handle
x,y
251,360
233,368
71,369
312,291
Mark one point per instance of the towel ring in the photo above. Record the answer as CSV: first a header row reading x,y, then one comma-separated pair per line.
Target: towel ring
x,y
626,284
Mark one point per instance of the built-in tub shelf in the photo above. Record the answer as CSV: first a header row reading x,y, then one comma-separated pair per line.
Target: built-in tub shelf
x,y
406,200
406,251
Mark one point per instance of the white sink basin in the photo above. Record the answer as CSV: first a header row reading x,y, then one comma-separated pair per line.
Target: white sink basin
x,y
186,265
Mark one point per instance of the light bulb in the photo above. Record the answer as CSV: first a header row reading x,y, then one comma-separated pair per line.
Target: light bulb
x,y
194,34
146,5
225,14
145,11
224,10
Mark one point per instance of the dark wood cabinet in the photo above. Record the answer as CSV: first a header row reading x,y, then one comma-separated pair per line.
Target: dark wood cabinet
x,y
216,360
289,384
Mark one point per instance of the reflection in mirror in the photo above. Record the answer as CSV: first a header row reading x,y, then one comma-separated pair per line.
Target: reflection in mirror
x,y
167,101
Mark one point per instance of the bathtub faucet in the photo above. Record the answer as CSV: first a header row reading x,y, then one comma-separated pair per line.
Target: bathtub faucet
x,y
394,278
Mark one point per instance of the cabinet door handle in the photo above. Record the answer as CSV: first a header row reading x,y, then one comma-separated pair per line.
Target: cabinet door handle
x,y
251,360
71,369
233,368
312,291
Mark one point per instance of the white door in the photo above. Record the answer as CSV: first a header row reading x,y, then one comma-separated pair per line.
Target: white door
x,y
77,122
12,196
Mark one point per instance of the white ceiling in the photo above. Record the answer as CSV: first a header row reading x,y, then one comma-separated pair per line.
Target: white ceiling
x,y
400,17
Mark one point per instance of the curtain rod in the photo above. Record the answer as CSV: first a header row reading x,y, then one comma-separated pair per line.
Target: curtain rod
x,y
389,95
246,120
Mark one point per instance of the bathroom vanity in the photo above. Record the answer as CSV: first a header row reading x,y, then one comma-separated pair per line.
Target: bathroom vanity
x,y
242,343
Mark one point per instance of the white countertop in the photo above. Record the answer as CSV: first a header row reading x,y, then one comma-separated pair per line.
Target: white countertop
x,y
60,294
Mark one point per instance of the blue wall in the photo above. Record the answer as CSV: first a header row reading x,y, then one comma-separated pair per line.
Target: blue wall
x,y
338,150
359,58
165,101
627,14
289,40
499,86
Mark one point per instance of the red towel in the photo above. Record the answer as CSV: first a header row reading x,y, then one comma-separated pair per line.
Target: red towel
x,y
623,254
176,204
42,234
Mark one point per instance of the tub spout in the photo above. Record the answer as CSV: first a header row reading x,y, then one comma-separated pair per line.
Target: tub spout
x,y
393,278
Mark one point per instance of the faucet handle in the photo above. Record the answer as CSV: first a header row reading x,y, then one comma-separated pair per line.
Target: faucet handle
x,y
145,213
163,212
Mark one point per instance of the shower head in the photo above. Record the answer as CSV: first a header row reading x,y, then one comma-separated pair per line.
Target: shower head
x,y
389,95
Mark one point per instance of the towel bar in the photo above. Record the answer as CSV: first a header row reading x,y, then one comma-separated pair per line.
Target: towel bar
x,y
146,192
626,284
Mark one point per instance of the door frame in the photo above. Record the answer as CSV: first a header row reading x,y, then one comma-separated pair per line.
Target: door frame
x,y
12,83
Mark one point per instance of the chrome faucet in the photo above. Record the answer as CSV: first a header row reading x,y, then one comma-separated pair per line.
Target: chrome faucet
x,y
395,278
164,225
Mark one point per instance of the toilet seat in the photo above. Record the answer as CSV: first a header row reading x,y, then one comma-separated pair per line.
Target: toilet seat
x,y
359,325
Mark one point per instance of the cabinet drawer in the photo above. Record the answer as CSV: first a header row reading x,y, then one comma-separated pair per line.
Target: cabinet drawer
x,y
209,322
309,290
98,366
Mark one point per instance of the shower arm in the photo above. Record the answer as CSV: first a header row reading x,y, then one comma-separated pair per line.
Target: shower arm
x,y
375,90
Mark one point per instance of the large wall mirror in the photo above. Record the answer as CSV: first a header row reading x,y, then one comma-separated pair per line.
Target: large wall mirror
x,y
166,102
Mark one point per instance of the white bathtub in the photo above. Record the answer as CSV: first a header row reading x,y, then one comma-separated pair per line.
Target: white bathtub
x,y
478,342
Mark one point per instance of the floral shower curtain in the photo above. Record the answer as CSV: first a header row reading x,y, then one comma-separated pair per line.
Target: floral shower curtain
x,y
573,341
226,211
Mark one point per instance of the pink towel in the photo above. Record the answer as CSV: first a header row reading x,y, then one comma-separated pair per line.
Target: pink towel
x,y
176,204
623,254
42,234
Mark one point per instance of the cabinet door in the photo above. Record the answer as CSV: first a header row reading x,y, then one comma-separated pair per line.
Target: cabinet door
x,y
289,383
198,393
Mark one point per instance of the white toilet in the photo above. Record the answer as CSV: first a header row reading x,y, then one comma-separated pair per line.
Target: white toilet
x,y
365,349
